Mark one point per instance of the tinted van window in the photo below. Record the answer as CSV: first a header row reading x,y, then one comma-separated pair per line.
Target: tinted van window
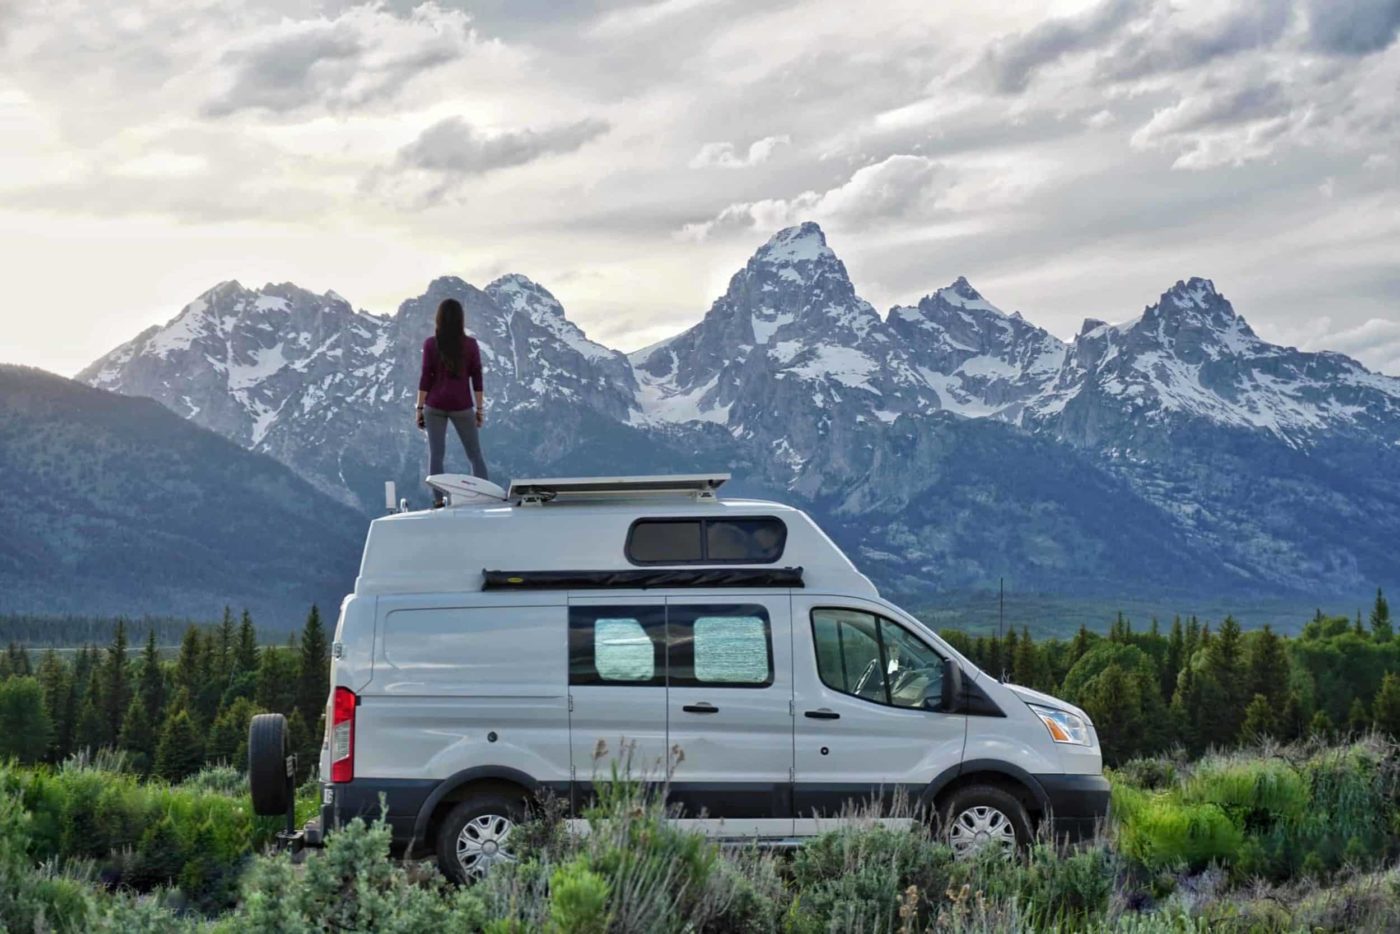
x,y
665,542
720,645
757,540
622,645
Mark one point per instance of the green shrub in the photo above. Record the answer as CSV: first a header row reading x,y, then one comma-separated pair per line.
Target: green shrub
x,y
862,876
1255,794
1159,830
579,899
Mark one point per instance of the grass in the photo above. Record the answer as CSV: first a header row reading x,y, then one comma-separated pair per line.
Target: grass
x,y
1272,839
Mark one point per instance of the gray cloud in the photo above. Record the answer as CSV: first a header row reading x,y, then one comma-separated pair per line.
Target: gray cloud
x,y
1014,60
455,147
1352,27
1170,41
366,54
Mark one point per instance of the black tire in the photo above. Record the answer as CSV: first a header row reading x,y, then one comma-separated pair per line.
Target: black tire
x,y
267,764
486,811
977,806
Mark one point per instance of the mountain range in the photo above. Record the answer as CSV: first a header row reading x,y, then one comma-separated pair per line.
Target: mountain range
x,y
946,444
116,506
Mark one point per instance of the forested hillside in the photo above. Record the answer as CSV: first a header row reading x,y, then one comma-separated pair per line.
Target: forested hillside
x,y
115,505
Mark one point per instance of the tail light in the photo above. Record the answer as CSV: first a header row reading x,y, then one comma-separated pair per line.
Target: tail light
x,y
343,735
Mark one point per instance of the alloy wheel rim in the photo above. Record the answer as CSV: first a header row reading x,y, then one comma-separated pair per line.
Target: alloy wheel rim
x,y
978,828
484,842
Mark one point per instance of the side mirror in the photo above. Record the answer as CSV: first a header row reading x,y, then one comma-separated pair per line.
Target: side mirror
x,y
952,687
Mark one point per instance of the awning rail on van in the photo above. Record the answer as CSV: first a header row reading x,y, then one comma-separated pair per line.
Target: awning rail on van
x,y
642,579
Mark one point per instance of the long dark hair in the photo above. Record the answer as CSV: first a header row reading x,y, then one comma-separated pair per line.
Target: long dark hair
x,y
450,325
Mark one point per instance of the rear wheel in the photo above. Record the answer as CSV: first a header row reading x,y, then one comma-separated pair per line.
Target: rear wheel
x,y
983,817
267,764
477,835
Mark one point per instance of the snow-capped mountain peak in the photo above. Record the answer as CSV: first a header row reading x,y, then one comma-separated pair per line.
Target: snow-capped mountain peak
x,y
795,246
962,295
520,295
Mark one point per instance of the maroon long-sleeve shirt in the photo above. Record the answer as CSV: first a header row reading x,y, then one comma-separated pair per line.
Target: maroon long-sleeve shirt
x,y
450,392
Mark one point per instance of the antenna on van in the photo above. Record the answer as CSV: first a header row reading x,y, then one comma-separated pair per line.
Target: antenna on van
x,y
391,496
1001,622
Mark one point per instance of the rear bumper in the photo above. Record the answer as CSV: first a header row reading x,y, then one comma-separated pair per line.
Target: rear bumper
x,y
398,801
1076,804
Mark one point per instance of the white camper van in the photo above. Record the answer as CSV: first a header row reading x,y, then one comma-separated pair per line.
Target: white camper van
x,y
520,642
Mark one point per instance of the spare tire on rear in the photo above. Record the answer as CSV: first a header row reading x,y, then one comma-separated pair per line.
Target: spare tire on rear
x,y
267,764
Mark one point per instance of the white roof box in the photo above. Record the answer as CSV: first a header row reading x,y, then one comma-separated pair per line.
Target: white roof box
x,y
465,489
695,486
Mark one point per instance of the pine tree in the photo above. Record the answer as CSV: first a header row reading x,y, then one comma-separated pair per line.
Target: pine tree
x,y
150,680
277,680
1023,666
1320,727
116,689
1008,655
224,646
1185,710
1386,707
1381,628
245,654
1260,721
313,675
1267,667
138,736
91,733
24,723
1080,646
189,667
16,662
228,739
1357,628
57,686
1357,719
1176,649
1220,685
180,752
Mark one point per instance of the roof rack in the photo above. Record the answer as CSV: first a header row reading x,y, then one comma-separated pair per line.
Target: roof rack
x,y
536,492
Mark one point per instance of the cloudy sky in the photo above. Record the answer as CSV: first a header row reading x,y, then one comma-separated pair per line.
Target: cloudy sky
x,y
1071,159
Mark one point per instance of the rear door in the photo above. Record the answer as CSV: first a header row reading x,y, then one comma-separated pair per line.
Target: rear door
x,y
617,689
730,703
866,728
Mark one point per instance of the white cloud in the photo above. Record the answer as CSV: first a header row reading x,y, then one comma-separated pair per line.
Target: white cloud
x,y
724,155
899,186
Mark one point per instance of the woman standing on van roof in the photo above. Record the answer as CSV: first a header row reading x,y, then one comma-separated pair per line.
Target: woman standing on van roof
x,y
449,390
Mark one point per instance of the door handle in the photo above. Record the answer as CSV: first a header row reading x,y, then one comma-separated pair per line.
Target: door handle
x,y
822,715
700,708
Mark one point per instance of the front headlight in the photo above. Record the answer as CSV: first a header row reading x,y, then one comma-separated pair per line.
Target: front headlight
x,y
1064,727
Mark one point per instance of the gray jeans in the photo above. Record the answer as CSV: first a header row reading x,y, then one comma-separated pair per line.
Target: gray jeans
x,y
464,420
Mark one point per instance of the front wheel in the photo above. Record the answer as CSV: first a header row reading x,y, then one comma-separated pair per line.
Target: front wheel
x,y
983,817
477,835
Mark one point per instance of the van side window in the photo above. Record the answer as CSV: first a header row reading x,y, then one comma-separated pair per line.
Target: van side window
x,y
622,645
743,540
720,645
875,659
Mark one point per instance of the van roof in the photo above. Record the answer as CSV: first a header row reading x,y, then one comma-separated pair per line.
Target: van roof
x,y
447,550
